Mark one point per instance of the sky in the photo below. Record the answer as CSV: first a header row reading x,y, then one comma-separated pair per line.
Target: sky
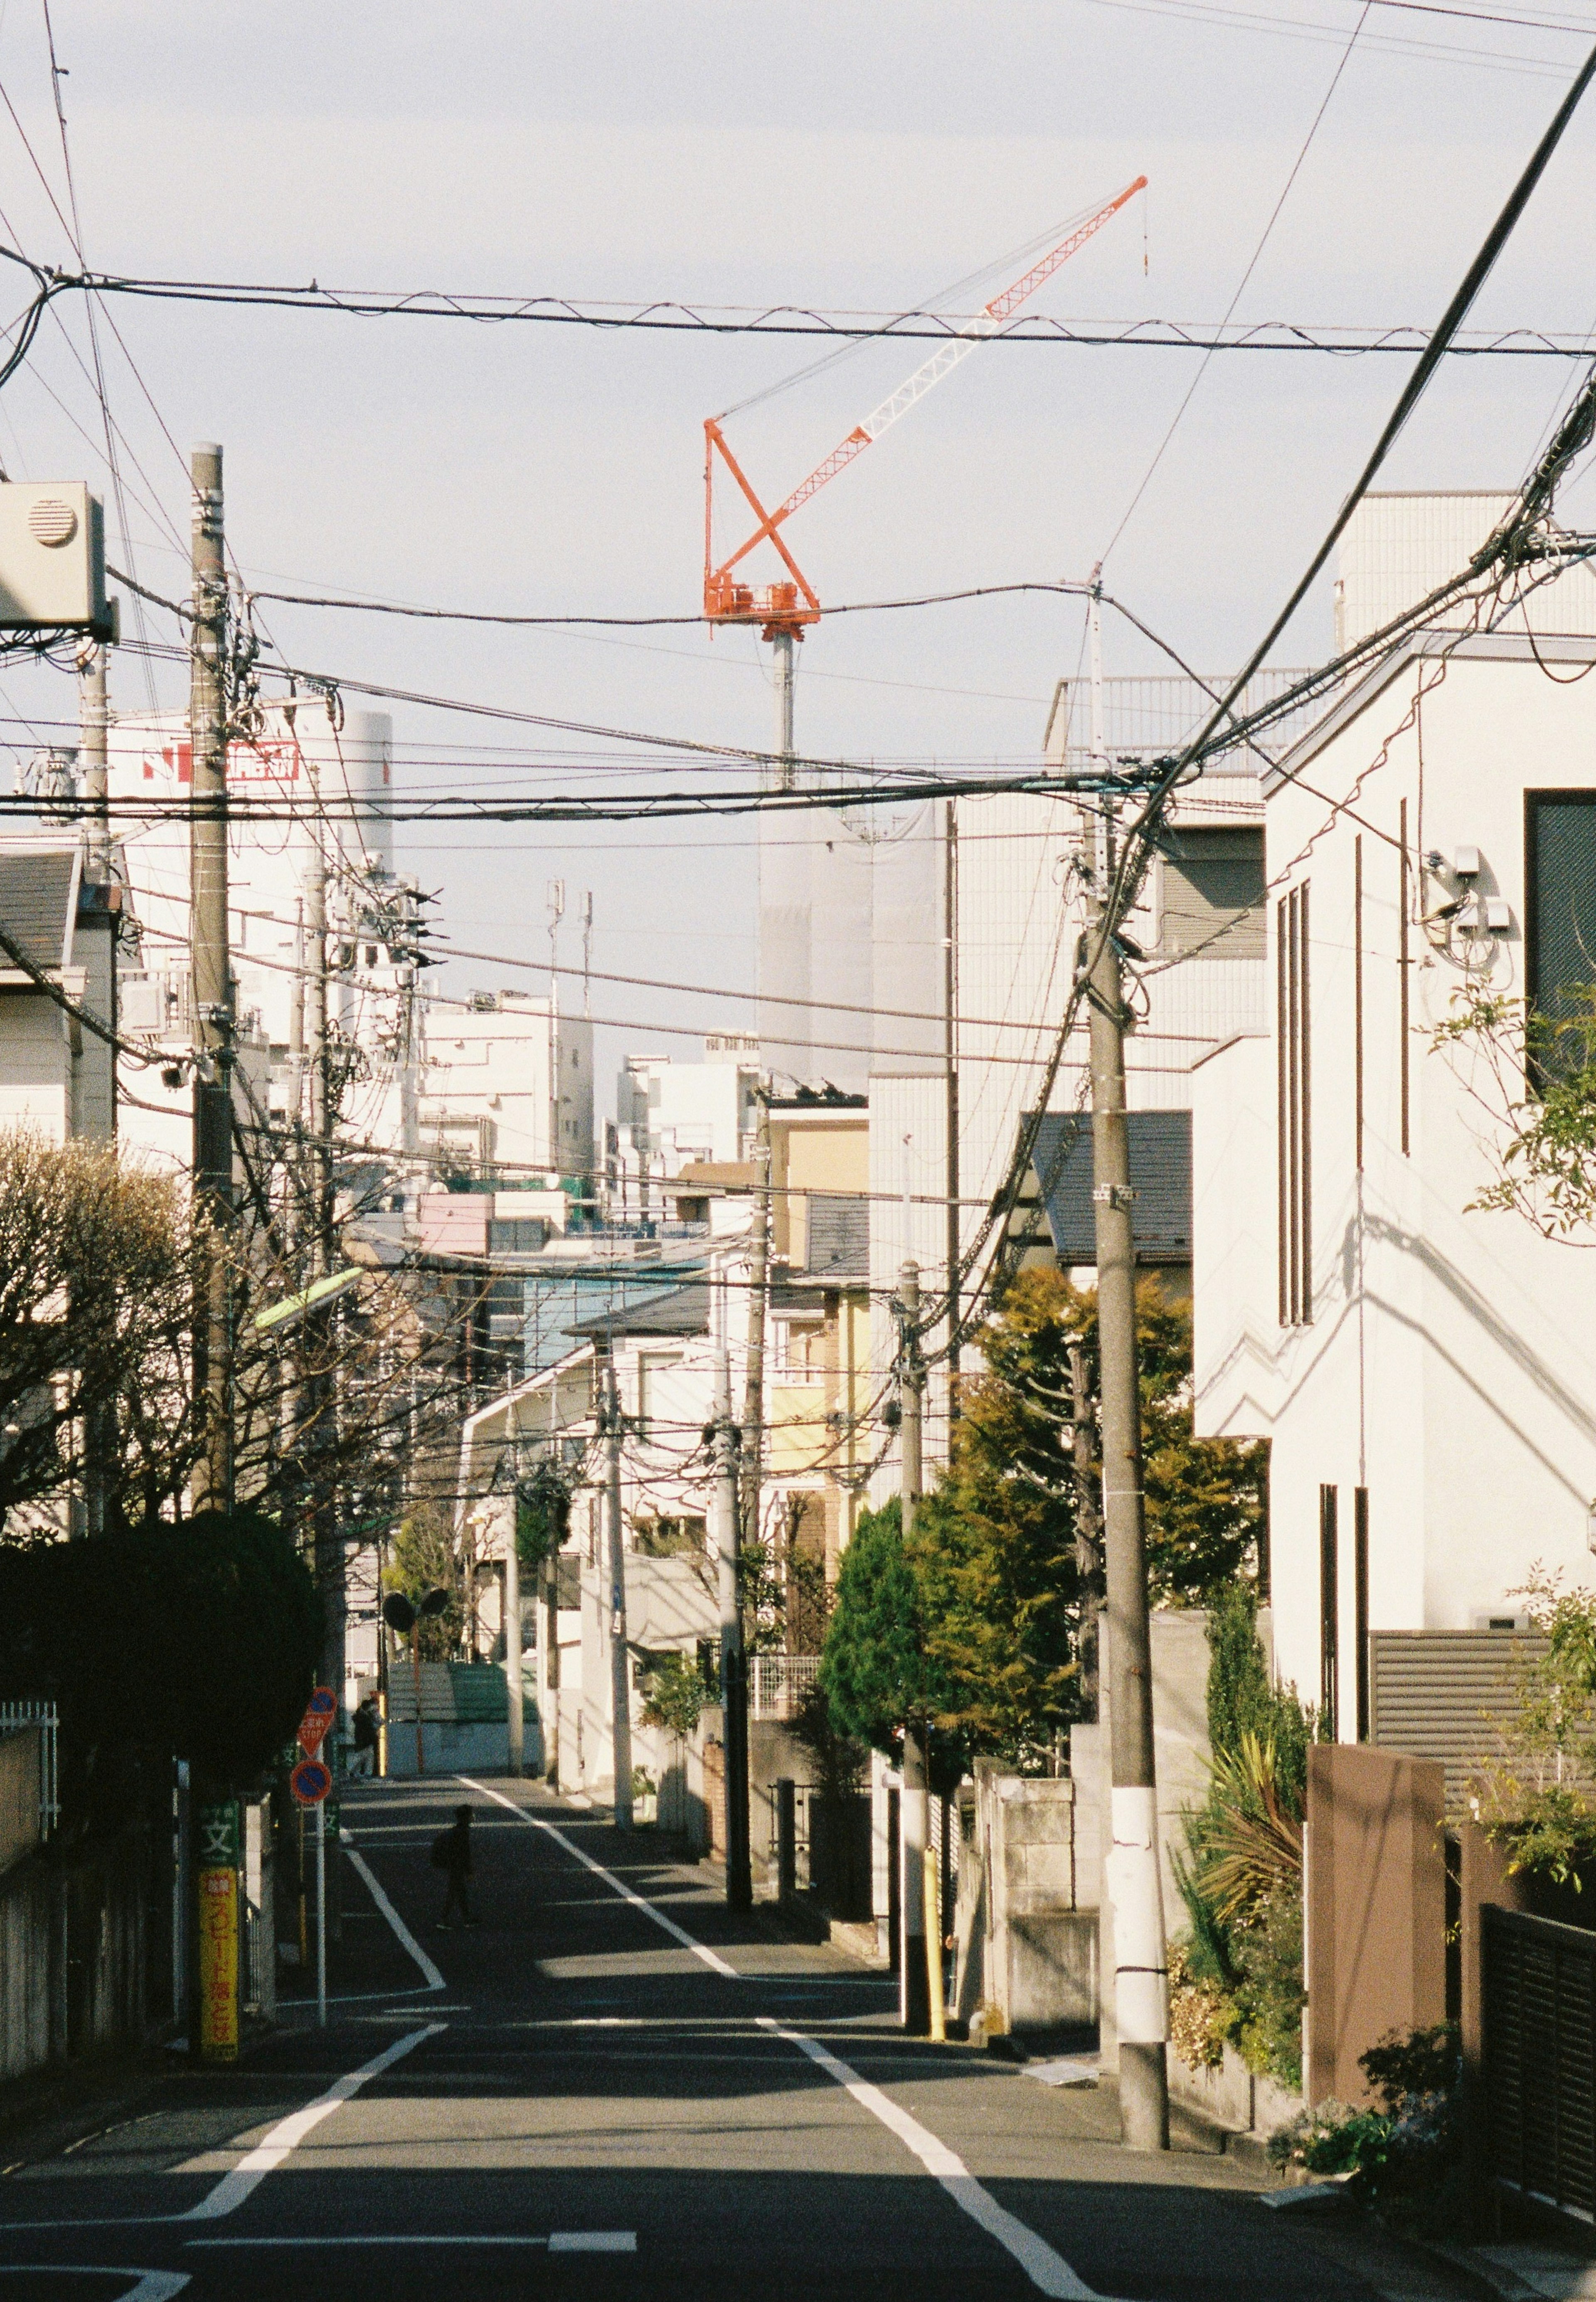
x,y
857,158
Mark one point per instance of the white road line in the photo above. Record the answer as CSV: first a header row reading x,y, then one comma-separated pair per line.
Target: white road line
x,y
1048,2272
627,1894
431,1975
154,2285
287,2135
557,2241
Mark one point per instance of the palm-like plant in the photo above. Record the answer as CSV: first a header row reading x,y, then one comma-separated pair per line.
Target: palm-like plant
x,y
1252,1841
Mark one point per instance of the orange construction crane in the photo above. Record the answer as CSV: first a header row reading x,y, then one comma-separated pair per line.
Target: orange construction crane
x,y
783,609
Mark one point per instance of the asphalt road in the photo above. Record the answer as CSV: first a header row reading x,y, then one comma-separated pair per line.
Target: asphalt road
x,y
607,2087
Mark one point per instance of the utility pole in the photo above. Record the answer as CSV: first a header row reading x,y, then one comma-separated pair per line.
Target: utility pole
x,y
1142,1986
950,1012
99,1436
319,1389
94,722
212,1018
734,1688
1089,1524
917,1950
556,911
514,1693
620,1675
733,1664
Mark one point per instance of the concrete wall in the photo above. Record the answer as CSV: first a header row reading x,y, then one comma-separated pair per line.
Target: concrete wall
x,y
1374,1906
1027,1951
72,1957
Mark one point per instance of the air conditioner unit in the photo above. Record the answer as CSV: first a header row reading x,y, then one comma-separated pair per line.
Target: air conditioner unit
x,y
52,558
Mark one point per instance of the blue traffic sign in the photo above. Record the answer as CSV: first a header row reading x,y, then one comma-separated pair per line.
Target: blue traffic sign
x,y
310,1781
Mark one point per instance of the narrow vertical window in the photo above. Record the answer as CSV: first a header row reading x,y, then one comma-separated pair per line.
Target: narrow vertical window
x,y
1402,968
1296,1282
1360,1604
1330,1626
1282,1064
1357,1002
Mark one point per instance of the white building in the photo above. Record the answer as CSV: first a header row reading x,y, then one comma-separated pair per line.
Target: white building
x,y
506,1086
302,782
56,1077
671,1114
1425,1373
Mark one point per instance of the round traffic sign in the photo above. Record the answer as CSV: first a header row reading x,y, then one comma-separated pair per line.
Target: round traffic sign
x,y
323,1701
310,1781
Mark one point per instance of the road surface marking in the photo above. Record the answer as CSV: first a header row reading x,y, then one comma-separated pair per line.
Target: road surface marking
x,y
154,2285
557,2241
287,2135
627,1894
433,1976
1048,2272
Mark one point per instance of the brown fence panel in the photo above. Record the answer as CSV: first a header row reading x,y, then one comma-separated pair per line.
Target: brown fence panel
x,y
1540,2057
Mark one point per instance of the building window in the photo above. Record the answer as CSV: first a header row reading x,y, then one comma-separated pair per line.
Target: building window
x,y
652,1370
1212,906
1296,1212
1330,1622
669,1538
1559,917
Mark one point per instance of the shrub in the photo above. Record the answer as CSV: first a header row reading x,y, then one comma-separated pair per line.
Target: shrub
x,y
676,1695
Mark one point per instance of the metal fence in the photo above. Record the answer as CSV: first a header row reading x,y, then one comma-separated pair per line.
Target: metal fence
x,y
46,1717
778,1683
1539,2001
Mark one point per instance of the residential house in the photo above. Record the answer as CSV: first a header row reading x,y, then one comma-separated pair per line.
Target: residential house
x,y
1424,1367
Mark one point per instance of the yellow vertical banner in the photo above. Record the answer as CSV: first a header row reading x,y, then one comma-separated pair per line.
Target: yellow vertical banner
x,y
217,1877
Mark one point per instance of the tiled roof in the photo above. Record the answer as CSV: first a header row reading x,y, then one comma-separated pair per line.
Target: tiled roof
x,y
1160,1176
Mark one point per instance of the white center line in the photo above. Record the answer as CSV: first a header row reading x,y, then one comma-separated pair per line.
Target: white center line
x,y
627,1894
1048,2271
557,2241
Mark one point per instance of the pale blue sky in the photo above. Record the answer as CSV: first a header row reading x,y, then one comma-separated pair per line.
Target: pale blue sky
x,y
823,155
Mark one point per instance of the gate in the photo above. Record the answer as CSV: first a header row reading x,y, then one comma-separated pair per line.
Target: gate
x,y
1538,2006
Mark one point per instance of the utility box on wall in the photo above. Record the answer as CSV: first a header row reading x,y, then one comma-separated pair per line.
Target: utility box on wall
x,y
52,558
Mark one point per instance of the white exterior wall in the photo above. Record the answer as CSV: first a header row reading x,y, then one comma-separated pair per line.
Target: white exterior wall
x,y
682,1111
1450,1365
485,1078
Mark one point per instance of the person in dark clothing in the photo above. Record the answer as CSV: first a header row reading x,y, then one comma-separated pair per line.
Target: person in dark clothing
x,y
451,1851
368,1721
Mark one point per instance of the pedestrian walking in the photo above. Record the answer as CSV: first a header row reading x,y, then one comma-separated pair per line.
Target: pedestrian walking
x,y
367,1720
451,1851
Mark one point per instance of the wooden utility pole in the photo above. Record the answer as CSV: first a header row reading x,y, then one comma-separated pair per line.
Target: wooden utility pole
x,y
733,1664
212,978
620,1670
1141,1982
913,1965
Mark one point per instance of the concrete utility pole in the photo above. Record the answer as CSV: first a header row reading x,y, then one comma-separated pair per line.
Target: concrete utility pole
x,y
212,975
1141,1985
620,1674
1089,1524
950,1012
733,1689
94,721
512,1640
320,1390
914,1981
733,1663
